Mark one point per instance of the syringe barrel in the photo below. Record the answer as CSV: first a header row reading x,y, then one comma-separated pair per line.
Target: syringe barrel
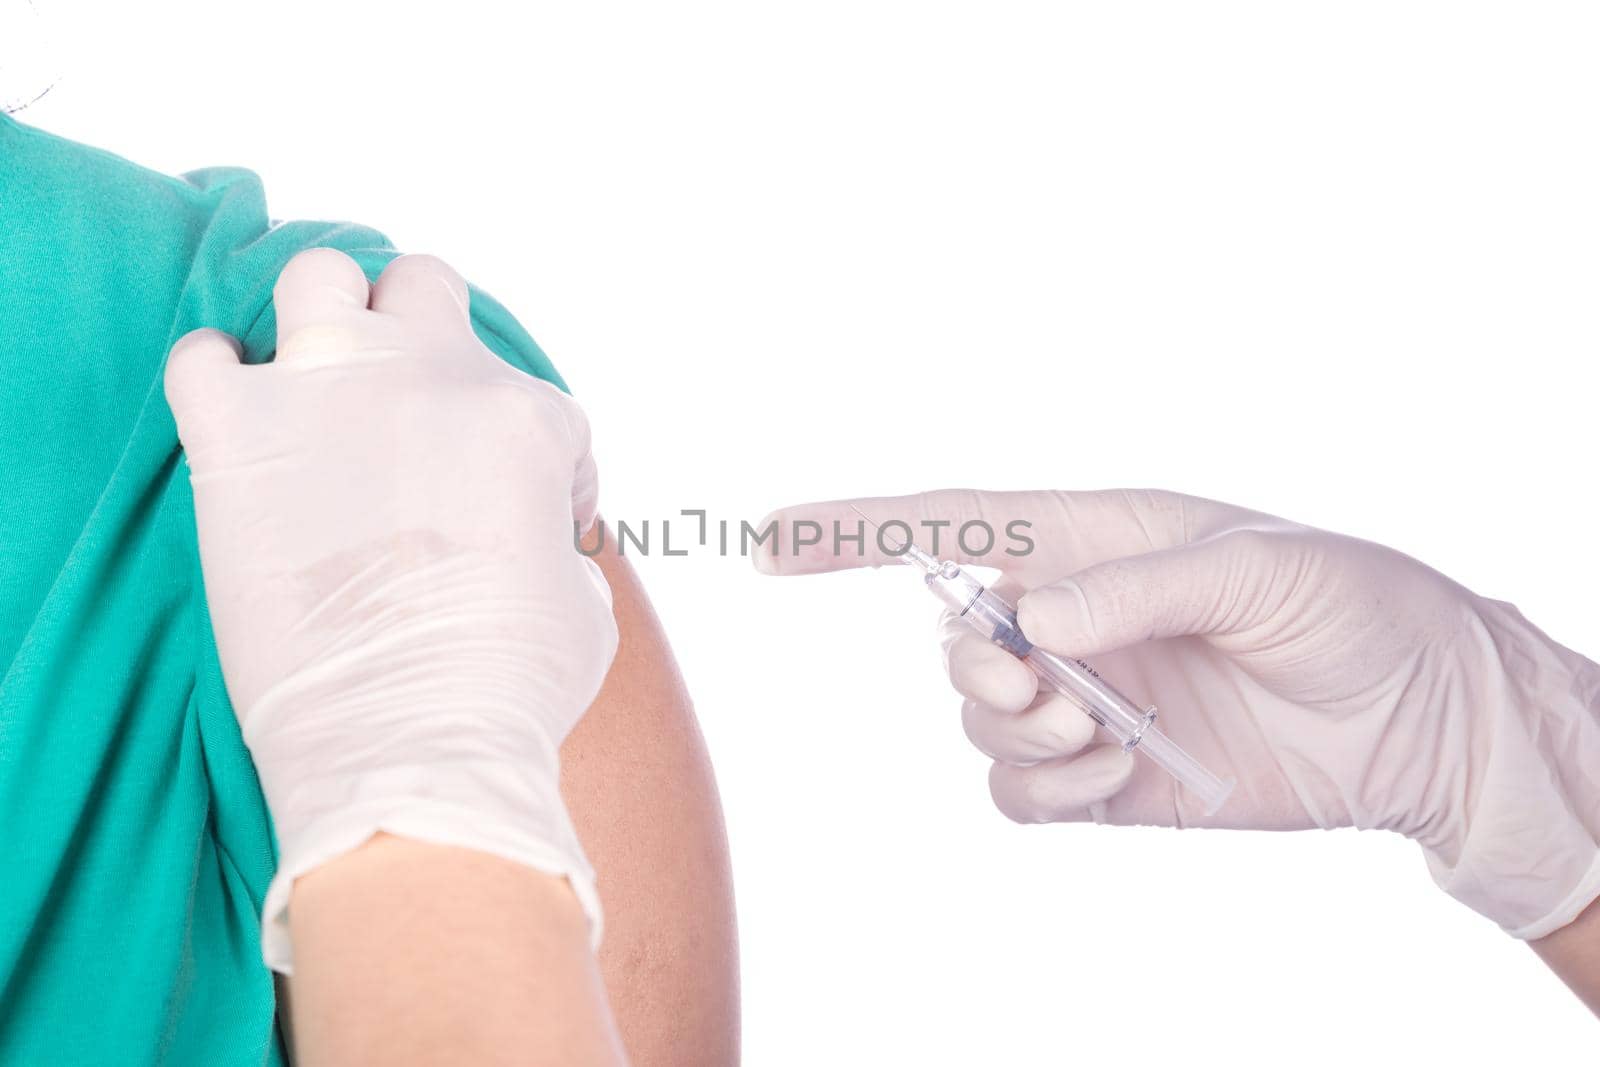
x,y
1207,787
1124,720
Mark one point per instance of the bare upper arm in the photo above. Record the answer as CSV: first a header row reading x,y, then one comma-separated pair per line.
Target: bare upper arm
x,y
638,781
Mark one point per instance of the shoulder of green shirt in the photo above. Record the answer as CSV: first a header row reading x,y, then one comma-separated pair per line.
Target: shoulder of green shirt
x,y
253,246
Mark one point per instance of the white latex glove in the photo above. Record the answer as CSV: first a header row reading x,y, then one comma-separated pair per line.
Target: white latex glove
x,y
1342,683
385,516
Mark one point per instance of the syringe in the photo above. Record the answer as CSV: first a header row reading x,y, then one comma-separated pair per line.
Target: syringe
x,y
995,619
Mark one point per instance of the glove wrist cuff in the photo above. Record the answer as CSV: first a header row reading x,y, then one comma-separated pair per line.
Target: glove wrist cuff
x,y
1526,848
488,808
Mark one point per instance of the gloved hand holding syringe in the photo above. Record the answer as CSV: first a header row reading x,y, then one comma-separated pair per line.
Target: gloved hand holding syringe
x,y
996,620
1341,682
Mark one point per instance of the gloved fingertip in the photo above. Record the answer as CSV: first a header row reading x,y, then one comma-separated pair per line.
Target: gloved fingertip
x,y
1063,722
1057,617
782,543
1110,770
586,495
196,366
1061,790
764,554
202,343
319,295
1050,728
326,270
314,282
421,284
825,536
989,674
1013,790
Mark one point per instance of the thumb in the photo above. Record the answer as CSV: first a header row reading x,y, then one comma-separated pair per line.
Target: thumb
x,y
573,441
585,491
201,366
422,289
1210,587
585,475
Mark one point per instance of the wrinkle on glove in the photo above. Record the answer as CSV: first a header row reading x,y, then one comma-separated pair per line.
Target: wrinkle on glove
x,y
1534,825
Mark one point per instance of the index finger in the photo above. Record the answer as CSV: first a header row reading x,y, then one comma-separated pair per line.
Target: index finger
x,y
832,535
1010,531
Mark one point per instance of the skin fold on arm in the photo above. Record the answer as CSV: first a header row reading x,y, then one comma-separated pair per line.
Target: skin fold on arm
x,y
638,782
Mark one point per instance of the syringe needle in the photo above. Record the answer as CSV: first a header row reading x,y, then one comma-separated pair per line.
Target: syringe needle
x,y
900,551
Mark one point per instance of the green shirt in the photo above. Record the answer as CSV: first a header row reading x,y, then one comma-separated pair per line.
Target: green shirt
x,y
135,846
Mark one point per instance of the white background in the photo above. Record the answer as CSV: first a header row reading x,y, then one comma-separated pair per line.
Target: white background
x,y
1336,262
